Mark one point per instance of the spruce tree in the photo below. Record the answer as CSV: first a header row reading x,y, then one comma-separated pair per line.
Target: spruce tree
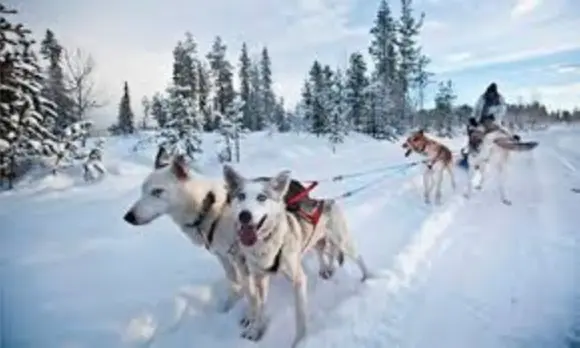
x,y
24,111
221,71
159,110
54,86
383,45
443,112
356,84
126,118
410,55
256,110
338,122
244,75
383,89
203,92
268,100
318,119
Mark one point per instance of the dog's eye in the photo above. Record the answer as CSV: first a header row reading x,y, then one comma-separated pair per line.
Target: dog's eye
x,y
261,197
241,196
157,192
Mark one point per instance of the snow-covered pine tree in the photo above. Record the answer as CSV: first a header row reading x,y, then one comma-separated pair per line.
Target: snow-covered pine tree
x,y
244,75
203,95
380,122
93,168
268,99
222,77
232,129
23,109
54,86
327,95
304,110
257,122
410,54
384,78
126,118
181,134
338,122
146,112
356,83
159,109
281,117
443,112
70,149
422,79
318,119
383,45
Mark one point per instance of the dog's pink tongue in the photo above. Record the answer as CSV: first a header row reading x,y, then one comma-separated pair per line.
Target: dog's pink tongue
x,y
248,235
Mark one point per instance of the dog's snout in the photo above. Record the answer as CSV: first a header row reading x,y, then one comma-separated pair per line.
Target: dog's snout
x,y
130,217
245,217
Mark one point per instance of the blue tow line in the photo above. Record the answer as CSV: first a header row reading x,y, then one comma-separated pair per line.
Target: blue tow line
x,y
391,171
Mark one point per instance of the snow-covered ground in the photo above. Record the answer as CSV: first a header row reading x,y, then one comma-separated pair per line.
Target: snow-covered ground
x,y
468,273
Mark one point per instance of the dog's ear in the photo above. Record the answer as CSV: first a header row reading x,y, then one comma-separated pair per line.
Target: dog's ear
x,y
232,178
279,184
162,159
421,131
179,167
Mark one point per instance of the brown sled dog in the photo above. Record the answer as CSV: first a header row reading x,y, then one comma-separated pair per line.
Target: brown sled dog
x,y
439,158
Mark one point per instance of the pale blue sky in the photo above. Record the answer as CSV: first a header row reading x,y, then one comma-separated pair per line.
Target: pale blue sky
x,y
529,47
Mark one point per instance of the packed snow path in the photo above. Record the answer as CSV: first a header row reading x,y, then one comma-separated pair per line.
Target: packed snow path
x,y
468,273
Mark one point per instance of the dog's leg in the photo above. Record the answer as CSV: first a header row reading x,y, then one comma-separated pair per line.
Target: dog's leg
x,y
325,250
256,329
427,185
253,298
299,284
451,175
340,236
250,293
483,168
501,177
438,184
235,290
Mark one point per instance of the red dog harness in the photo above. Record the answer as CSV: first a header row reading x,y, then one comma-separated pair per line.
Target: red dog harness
x,y
313,217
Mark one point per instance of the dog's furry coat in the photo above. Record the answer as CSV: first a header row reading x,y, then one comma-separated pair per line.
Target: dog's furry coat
x,y
439,159
274,240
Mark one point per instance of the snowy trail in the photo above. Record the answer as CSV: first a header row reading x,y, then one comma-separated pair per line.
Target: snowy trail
x,y
468,273
498,282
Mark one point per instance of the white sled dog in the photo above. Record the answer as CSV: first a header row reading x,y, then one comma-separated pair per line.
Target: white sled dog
x,y
274,240
495,144
199,207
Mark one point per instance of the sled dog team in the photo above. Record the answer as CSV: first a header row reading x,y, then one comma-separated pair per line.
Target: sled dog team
x,y
254,233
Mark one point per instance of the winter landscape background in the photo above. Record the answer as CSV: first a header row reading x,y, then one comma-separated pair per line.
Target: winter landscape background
x,y
466,273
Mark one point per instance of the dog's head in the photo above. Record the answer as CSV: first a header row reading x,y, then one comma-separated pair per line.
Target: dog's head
x,y
160,191
253,201
415,142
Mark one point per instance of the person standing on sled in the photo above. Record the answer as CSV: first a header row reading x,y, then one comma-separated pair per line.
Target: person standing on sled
x,y
488,112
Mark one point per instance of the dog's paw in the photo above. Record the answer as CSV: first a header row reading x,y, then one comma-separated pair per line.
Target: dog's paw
x,y
246,320
326,273
506,201
254,332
